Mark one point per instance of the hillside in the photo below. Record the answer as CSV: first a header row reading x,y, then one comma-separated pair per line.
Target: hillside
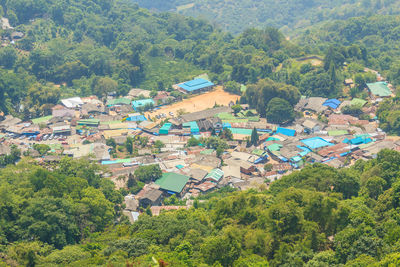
x,y
376,34
236,16
319,216
97,47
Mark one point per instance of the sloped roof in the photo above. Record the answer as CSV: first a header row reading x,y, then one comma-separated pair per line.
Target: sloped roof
x,y
72,102
215,175
379,89
195,84
316,142
173,182
285,131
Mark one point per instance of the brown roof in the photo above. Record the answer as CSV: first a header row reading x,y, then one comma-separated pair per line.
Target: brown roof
x,y
336,149
281,167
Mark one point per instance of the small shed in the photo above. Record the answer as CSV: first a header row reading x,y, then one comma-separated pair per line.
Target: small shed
x,y
165,128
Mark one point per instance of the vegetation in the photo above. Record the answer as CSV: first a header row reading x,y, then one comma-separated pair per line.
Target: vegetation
x,y
235,16
279,111
96,47
319,216
148,173
389,116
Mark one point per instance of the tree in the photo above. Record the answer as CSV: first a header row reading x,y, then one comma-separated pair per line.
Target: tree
x,y
226,134
374,187
260,94
236,109
279,111
148,173
232,87
347,183
42,149
111,142
254,137
8,57
103,85
268,167
193,141
129,145
158,145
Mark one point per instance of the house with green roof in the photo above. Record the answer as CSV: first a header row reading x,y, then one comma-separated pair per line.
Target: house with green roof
x,y
215,175
89,122
173,183
118,101
358,102
379,89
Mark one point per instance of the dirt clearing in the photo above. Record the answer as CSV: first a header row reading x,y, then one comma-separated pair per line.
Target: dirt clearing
x,y
197,103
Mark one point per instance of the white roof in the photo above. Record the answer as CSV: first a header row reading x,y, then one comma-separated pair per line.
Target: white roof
x,y
72,102
61,128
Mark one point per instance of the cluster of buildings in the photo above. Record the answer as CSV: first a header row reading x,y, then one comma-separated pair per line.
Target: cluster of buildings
x,y
80,127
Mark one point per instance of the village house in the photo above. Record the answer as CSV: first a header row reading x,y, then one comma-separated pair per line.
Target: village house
x,y
194,86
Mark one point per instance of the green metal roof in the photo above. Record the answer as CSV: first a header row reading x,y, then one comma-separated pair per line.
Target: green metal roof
x,y
258,152
89,121
173,182
215,175
274,147
379,89
42,119
165,128
358,102
241,131
119,101
56,146
337,132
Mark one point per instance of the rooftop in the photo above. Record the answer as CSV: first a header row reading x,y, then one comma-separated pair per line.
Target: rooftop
x,y
142,103
316,142
379,89
118,101
173,182
196,84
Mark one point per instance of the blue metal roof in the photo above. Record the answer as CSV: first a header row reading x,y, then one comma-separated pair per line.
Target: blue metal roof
x,y
332,103
316,142
360,140
142,103
136,118
285,131
195,84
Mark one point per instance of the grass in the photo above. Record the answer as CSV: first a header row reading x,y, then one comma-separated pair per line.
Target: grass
x,y
170,72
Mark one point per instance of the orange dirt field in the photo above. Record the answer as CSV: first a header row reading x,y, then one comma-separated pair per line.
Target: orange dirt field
x,y
197,103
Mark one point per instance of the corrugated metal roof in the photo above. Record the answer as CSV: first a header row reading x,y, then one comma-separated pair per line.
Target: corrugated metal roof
x,y
379,89
196,84
173,182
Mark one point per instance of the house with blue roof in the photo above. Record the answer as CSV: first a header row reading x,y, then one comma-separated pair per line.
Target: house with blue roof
x,y
316,142
332,103
140,104
195,86
285,131
358,140
135,117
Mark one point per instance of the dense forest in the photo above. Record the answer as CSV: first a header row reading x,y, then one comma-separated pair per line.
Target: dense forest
x,y
319,216
96,47
287,15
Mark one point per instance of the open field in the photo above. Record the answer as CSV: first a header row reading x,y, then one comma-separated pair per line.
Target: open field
x,y
198,102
